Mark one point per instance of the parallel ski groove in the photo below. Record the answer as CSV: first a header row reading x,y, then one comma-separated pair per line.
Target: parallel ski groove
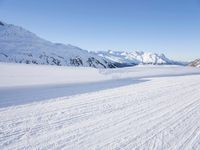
x,y
162,113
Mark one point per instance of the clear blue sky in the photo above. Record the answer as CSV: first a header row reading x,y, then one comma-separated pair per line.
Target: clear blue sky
x,y
171,27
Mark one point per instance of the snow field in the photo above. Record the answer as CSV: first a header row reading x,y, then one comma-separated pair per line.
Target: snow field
x,y
153,113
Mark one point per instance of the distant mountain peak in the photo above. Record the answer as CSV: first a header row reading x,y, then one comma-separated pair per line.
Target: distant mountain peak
x,y
135,57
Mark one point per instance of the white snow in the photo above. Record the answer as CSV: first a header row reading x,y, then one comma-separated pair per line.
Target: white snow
x,y
135,57
18,45
12,75
143,107
25,75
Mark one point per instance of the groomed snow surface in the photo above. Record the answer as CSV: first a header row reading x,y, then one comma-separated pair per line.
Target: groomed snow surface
x,y
143,107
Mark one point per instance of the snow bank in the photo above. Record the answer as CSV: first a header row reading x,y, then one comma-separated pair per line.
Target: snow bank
x,y
28,75
23,75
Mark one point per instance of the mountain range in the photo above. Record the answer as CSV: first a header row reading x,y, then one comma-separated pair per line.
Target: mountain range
x,y
19,45
135,58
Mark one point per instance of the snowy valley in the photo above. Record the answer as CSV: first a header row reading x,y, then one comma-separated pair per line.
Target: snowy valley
x,y
142,107
56,96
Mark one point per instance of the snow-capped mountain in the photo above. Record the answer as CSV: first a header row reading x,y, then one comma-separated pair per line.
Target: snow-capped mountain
x,y
21,46
135,57
195,63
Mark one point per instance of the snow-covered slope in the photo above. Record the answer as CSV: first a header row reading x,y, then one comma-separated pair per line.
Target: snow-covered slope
x,y
21,83
21,46
135,58
195,63
134,108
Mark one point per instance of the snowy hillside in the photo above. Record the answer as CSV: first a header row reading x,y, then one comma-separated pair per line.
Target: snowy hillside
x,y
21,46
142,107
135,58
195,63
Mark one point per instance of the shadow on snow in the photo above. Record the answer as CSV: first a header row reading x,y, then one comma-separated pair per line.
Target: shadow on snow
x,y
27,94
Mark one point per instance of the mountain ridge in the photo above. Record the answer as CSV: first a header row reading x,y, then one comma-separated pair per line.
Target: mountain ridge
x,y
19,45
136,57
22,46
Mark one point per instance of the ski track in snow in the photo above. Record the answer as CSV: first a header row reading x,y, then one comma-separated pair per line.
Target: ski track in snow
x,y
161,113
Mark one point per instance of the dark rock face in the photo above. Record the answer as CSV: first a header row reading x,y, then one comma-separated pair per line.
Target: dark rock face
x,y
121,65
94,62
1,23
195,63
76,61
